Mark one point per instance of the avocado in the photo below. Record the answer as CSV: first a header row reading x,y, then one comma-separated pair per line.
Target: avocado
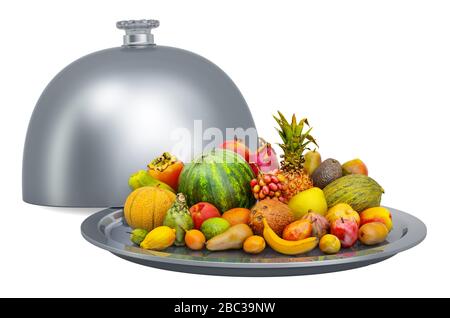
x,y
327,172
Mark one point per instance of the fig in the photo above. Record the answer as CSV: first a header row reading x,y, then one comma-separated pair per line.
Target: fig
x,y
320,225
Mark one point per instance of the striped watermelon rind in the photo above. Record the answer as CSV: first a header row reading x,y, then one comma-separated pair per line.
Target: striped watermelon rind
x,y
220,177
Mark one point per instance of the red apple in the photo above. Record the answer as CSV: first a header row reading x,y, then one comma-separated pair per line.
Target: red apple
x,y
346,230
238,147
202,211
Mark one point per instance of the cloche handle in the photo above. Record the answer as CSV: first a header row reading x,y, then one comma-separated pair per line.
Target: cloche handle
x,y
137,32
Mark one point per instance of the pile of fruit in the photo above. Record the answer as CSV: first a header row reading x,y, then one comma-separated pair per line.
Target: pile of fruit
x,y
229,198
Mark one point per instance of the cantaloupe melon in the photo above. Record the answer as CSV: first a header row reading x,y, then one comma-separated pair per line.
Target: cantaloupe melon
x,y
146,207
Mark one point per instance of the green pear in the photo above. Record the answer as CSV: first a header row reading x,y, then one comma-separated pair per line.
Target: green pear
x,y
311,200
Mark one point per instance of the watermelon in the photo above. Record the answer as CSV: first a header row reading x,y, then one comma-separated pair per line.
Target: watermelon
x,y
220,177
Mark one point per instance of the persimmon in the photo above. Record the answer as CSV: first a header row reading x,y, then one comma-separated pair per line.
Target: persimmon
x,y
166,168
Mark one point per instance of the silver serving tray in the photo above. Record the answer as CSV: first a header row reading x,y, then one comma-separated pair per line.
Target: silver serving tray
x,y
108,230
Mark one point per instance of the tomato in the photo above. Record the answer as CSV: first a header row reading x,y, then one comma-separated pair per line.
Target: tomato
x,y
166,168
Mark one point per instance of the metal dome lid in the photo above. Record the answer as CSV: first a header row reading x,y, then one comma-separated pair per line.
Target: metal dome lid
x,y
109,113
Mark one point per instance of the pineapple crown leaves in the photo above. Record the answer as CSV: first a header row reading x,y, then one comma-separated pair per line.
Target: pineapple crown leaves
x,y
295,140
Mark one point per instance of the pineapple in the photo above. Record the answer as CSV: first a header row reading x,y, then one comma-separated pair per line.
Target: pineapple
x,y
295,142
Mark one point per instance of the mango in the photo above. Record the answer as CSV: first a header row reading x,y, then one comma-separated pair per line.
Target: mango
x,y
355,166
297,230
372,233
377,214
233,238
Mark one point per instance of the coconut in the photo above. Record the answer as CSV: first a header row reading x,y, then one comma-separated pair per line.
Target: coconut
x,y
277,214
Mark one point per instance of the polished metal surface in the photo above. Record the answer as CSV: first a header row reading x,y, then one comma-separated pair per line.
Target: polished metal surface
x,y
109,113
107,230
138,32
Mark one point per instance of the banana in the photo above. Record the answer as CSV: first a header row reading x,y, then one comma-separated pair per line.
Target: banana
x,y
285,246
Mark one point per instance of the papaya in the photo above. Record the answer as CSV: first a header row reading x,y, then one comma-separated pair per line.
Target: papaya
x,y
359,191
146,207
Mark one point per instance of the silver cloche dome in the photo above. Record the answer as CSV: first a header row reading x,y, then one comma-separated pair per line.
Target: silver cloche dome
x,y
109,113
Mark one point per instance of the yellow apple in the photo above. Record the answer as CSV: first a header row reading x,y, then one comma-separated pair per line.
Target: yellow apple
x,y
309,200
342,210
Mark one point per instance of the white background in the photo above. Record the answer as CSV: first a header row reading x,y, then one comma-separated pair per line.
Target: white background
x,y
373,77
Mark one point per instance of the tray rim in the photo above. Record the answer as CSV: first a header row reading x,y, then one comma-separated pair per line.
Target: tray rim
x,y
91,232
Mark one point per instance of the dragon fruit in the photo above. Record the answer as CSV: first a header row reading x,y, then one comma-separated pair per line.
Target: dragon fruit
x,y
266,158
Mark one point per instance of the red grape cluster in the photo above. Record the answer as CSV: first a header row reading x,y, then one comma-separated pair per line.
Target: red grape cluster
x,y
268,185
